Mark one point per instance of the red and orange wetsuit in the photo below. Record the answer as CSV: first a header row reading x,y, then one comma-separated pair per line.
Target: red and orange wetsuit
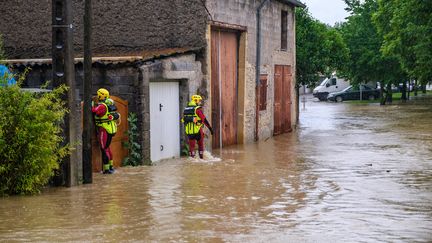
x,y
106,131
194,118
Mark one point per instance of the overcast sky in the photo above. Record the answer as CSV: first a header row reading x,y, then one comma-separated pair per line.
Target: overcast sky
x,y
327,11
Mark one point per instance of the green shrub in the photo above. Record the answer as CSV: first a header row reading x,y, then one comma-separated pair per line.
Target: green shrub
x,y
132,144
30,137
184,149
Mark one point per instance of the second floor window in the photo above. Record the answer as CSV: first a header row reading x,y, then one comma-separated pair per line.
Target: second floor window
x,y
263,92
284,30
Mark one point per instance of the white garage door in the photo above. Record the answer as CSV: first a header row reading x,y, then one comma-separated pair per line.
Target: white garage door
x,y
164,120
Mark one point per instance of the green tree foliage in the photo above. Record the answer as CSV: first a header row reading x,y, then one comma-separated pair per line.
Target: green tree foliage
x,y
132,144
30,138
364,44
366,62
320,49
406,26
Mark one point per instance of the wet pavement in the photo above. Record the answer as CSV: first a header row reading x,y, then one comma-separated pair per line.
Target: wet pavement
x,y
349,173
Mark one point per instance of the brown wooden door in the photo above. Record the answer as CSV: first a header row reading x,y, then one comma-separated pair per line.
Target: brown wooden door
x,y
282,102
286,103
278,81
224,52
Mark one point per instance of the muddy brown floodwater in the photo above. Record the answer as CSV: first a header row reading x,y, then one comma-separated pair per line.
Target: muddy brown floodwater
x,y
349,173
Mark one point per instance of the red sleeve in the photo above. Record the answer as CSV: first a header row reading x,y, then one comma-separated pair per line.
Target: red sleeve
x,y
201,115
99,110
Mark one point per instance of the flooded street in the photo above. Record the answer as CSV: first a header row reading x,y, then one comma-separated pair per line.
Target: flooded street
x,y
349,173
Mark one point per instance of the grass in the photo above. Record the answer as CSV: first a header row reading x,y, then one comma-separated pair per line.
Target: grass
x,y
396,97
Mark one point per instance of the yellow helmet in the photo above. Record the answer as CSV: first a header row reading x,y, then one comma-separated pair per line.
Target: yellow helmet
x,y
196,98
102,94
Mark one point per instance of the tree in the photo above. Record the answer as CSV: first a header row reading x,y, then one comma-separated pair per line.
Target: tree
x,y
320,49
366,63
406,26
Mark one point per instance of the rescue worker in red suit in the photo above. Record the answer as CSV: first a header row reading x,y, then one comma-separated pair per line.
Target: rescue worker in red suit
x,y
104,109
193,118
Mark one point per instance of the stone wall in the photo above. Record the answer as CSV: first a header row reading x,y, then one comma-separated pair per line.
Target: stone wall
x,y
182,68
122,27
243,12
130,81
120,79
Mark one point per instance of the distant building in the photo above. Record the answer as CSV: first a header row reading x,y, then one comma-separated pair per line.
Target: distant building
x,y
156,54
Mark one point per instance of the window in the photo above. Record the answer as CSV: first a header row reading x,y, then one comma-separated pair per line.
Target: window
x,y
263,92
284,30
333,81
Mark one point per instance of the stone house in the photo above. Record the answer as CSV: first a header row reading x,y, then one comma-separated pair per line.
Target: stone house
x,y
156,54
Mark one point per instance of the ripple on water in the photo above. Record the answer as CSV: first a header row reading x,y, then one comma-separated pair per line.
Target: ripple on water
x,y
349,173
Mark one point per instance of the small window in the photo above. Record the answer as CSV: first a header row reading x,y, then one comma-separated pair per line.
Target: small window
x,y
263,92
333,81
284,30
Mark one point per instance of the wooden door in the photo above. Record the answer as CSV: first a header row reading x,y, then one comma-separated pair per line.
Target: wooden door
x,y
224,55
282,99
278,84
164,120
286,103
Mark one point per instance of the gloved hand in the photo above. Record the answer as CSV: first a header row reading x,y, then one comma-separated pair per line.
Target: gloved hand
x,y
211,130
95,101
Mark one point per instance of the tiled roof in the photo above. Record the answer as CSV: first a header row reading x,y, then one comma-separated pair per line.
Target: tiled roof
x,y
132,57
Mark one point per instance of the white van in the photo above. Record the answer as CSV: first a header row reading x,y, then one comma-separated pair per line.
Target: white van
x,y
329,85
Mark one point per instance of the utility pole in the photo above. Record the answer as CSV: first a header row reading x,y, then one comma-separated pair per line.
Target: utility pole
x,y
64,73
87,123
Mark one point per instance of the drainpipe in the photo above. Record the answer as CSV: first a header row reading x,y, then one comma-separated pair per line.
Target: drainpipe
x,y
258,64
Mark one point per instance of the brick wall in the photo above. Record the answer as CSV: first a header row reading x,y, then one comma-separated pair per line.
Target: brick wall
x,y
120,79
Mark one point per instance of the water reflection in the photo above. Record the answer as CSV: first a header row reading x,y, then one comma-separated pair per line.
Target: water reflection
x,y
357,173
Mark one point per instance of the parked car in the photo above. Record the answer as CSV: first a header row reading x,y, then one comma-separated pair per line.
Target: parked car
x,y
353,93
329,85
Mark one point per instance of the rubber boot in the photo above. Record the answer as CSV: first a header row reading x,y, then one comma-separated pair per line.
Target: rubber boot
x,y
111,166
192,154
201,154
106,169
